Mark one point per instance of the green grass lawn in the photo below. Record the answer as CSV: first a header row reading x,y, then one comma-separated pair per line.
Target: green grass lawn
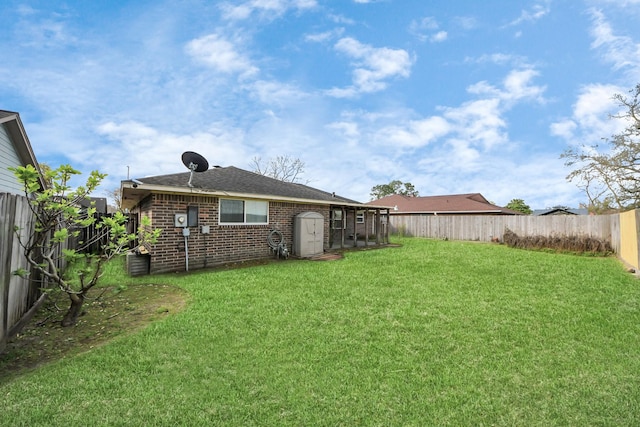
x,y
430,333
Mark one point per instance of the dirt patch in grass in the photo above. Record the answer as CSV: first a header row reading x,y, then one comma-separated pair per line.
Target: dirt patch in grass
x,y
107,314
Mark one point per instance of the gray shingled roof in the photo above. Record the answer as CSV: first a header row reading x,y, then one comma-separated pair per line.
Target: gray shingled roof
x,y
5,113
235,180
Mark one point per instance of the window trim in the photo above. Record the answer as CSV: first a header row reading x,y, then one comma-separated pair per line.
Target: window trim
x,y
244,212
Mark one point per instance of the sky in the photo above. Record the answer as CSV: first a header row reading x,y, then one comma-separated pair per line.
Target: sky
x,y
453,96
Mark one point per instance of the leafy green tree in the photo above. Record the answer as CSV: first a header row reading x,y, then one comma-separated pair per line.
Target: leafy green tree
x,y
59,219
394,187
610,175
519,205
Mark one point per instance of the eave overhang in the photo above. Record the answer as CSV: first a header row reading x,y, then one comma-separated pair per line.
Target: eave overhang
x,y
133,193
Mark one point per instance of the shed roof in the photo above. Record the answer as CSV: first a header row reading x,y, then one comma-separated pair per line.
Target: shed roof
x,y
472,203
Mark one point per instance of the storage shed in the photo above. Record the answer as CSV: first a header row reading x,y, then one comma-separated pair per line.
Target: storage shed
x,y
308,234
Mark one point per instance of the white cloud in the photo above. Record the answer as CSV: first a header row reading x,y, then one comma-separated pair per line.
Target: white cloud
x,y
220,54
619,3
373,66
564,128
349,131
517,86
479,121
426,29
440,36
621,51
269,9
148,151
590,121
44,30
500,59
537,12
276,93
324,36
426,23
414,133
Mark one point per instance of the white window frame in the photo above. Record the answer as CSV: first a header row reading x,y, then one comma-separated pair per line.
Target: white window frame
x,y
245,204
360,217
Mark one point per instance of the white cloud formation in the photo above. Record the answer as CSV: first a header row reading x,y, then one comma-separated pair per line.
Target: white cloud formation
x,y
426,29
479,122
474,127
147,150
220,54
500,59
269,9
618,3
414,133
324,36
440,36
516,86
276,93
621,51
373,66
590,121
537,12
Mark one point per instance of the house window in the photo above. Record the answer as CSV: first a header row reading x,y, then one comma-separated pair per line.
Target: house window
x,y
360,217
233,211
337,221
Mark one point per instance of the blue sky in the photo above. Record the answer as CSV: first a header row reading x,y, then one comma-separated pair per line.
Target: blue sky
x,y
454,96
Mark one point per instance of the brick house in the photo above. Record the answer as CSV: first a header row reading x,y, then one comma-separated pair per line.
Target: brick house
x,y
228,215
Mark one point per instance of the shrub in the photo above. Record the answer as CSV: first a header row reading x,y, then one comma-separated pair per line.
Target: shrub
x,y
572,244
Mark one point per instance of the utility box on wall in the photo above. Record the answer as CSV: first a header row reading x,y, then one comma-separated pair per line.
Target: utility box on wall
x,y
308,234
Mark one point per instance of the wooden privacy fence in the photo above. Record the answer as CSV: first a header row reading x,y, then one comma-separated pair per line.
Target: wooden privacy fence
x,y
488,227
18,295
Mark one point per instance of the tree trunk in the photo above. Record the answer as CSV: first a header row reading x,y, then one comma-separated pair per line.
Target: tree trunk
x,y
75,309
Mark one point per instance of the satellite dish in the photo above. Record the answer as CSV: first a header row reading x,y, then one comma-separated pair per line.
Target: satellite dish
x,y
195,163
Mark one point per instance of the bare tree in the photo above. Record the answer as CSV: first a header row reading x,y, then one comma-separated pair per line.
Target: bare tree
x,y
283,168
116,196
610,176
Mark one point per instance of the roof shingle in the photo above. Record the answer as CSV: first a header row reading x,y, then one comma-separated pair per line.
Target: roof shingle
x,y
235,180
473,203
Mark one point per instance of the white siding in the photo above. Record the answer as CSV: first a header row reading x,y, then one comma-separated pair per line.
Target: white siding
x,y
8,157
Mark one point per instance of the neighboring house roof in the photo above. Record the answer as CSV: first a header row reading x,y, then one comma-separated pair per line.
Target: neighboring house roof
x,y
100,203
231,182
473,203
16,151
560,211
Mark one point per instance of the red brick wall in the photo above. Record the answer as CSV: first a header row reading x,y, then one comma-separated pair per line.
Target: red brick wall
x,y
224,243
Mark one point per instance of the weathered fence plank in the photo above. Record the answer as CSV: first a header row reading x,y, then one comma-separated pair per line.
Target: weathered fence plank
x,y
17,294
488,227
